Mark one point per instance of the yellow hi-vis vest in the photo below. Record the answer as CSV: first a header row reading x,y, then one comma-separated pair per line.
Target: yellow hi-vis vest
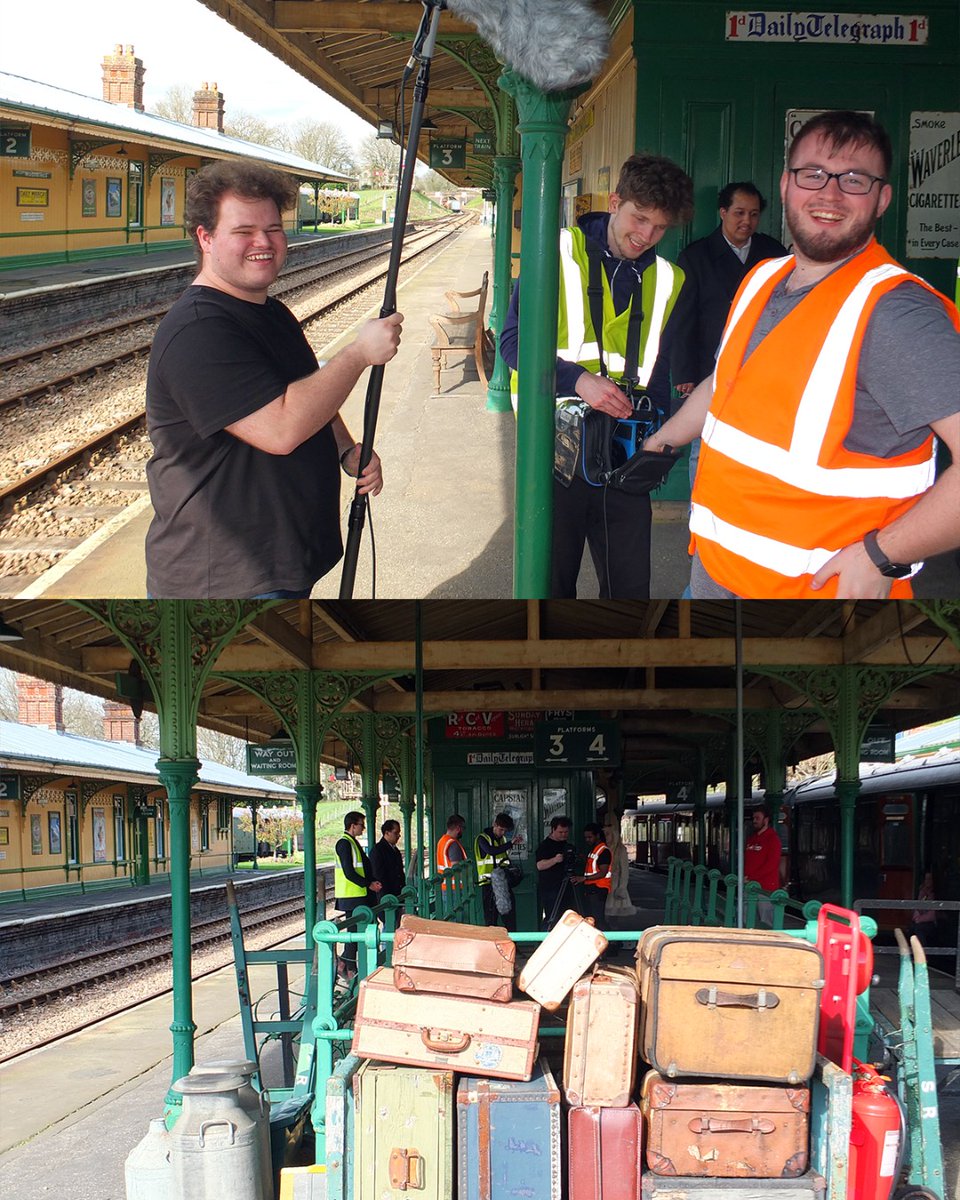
x,y
576,339
499,857
344,888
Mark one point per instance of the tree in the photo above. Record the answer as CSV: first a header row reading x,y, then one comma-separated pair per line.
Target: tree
x,y
176,104
250,128
216,747
320,142
379,162
275,826
431,181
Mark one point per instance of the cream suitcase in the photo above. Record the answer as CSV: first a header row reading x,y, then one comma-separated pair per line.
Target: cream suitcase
x,y
600,1049
571,947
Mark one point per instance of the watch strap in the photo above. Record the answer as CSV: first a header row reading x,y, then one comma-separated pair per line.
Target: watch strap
x,y
883,564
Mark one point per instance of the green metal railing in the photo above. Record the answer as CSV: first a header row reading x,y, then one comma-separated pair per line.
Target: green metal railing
x,y
697,895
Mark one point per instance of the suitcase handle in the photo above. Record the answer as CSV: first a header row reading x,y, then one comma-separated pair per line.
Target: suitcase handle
x,y
712,997
726,1125
405,1168
444,1041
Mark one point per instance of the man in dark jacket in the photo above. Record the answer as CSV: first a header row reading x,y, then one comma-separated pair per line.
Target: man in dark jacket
x,y
653,194
713,269
387,861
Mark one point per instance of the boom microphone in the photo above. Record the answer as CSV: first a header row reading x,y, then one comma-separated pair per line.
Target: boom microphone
x,y
553,43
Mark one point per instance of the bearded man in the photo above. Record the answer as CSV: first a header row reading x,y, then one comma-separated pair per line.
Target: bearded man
x,y
837,371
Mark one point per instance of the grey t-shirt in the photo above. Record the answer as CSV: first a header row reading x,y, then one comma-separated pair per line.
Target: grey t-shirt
x,y
909,370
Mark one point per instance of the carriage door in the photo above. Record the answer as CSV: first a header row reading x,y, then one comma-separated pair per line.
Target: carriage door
x,y
895,817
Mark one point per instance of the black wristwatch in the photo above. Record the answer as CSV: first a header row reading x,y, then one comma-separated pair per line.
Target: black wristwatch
x,y
883,564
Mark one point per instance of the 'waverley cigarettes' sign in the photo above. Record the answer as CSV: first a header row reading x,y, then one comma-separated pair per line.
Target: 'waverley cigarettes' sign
x,y
858,29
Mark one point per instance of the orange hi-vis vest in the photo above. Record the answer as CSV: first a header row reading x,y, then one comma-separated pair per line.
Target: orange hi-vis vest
x,y
776,493
444,862
593,867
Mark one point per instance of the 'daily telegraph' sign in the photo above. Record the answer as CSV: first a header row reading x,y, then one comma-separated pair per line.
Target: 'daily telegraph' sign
x,y
856,29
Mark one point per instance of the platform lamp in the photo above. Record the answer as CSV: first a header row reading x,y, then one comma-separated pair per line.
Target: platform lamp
x,y
8,633
130,687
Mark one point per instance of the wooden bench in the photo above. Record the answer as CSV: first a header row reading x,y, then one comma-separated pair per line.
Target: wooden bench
x,y
462,333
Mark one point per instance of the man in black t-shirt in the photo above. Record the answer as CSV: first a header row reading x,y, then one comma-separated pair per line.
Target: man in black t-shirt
x,y
552,858
248,441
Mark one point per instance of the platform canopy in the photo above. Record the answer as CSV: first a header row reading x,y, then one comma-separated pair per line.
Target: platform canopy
x,y
665,669
356,53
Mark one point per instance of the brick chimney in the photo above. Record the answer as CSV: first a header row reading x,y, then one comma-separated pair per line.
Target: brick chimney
x,y
123,77
208,108
119,723
39,703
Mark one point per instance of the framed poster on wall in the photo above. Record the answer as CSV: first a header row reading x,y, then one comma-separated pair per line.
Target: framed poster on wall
x,y
114,197
36,834
168,201
88,198
53,833
99,835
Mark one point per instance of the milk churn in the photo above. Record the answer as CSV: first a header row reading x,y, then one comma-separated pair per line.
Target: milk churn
x,y
214,1145
148,1172
254,1102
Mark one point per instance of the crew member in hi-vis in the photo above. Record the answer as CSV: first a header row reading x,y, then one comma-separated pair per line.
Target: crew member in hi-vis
x,y
837,371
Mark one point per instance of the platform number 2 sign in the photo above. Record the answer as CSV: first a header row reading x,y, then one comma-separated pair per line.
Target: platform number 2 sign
x,y
14,143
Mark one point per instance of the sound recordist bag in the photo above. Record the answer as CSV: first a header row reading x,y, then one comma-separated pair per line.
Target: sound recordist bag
x,y
593,445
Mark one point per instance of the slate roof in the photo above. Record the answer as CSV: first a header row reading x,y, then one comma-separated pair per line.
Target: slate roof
x,y
33,97
33,747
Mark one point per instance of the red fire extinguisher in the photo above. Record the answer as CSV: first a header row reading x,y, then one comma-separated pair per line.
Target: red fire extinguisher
x,y
876,1137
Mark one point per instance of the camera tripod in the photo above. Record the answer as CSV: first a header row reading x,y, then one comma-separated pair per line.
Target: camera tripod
x,y
568,886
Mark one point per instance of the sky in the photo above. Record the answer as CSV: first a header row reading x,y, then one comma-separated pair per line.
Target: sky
x,y
178,41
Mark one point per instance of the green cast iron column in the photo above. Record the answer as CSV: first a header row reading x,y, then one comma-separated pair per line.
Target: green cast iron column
x,y
178,778
308,794
505,168
543,128
369,775
408,798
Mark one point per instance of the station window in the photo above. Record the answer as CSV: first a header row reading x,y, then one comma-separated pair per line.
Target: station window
x,y
205,828
160,839
119,830
72,830
224,812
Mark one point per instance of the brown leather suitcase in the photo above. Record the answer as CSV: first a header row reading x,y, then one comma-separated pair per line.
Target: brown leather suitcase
x,y
441,957
606,1153
571,947
725,1130
600,1050
459,1033
731,1003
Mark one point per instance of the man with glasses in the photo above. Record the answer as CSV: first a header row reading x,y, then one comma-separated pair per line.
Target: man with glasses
x,y
836,369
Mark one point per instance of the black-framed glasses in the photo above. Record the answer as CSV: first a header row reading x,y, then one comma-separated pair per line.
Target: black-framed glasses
x,y
815,179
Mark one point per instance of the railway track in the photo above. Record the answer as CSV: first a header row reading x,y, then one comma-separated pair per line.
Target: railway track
x,y
77,974
69,525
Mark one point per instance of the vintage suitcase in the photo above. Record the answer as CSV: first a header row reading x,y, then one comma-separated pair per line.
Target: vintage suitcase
x,y
508,1138
605,1153
340,1131
444,958
733,1003
478,1037
600,1050
725,1130
569,949
404,1132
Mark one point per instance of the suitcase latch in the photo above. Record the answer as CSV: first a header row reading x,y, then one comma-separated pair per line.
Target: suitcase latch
x,y
712,997
405,1168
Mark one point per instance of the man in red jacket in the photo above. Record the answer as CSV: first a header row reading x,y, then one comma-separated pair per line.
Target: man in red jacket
x,y
761,858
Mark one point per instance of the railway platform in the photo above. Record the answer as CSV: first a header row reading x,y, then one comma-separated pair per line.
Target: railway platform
x,y
444,521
